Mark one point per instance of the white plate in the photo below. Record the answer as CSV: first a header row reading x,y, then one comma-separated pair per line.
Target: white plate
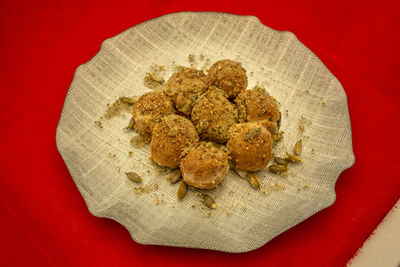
x,y
245,218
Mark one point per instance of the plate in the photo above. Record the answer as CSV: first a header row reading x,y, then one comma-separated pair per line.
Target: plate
x,y
314,109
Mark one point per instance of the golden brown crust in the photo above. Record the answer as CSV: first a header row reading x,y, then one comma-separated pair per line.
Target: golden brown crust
x,y
149,109
205,166
184,87
170,137
228,76
250,146
259,104
213,115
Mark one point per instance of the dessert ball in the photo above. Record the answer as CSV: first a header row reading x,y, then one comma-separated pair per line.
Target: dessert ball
x,y
259,105
184,87
170,137
228,76
250,145
149,109
213,115
205,166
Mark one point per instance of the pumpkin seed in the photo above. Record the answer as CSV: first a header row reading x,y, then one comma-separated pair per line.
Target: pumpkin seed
x,y
182,190
131,124
292,158
242,174
277,168
208,201
281,161
297,147
175,176
253,180
156,78
128,100
153,81
133,176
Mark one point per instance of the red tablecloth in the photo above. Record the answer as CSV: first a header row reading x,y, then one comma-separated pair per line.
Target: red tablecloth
x,y
44,220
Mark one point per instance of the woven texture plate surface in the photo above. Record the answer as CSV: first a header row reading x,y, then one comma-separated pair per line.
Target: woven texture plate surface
x,y
310,97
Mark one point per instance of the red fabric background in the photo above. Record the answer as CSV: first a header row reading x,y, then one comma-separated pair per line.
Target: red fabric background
x,y
43,218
